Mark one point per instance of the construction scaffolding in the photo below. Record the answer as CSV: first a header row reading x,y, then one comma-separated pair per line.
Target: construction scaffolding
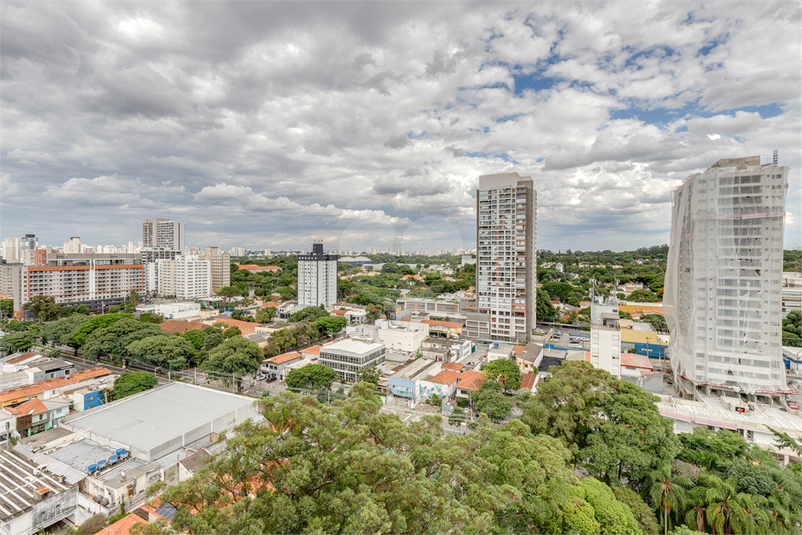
x,y
722,299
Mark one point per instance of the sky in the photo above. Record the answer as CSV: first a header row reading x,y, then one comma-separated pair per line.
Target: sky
x,y
275,124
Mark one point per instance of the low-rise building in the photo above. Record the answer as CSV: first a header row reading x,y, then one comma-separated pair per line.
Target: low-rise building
x,y
277,367
33,498
499,351
455,349
529,357
34,415
470,382
400,336
173,311
45,390
350,356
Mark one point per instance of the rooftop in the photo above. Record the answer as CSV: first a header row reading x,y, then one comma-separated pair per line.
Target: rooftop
x,y
354,346
151,418
23,483
471,380
446,377
123,526
179,326
284,357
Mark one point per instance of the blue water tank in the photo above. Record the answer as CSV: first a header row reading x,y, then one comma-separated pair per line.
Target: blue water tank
x,y
91,468
101,464
113,459
124,454
119,451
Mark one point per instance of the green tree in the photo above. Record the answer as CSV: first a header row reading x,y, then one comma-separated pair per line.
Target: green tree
x,y
17,342
7,307
642,296
491,401
457,416
58,332
640,509
330,324
172,352
197,337
544,309
504,372
115,339
132,383
213,339
236,355
310,314
133,298
232,332
147,317
43,307
266,315
228,292
311,377
369,375
80,335
667,492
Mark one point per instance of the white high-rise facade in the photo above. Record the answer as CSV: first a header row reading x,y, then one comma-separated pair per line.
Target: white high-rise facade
x,y
221,267
185,277
317,278
163,234
724,278
506,245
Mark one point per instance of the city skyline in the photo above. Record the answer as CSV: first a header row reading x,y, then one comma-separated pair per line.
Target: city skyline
x,y
370,126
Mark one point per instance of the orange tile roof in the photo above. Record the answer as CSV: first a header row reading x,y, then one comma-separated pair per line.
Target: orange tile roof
x,y
36,389
123,526
528,380
270,304
633,360
22,358
456,366
338,312
284,357
471,380
314,350
32,406
254,267
517,349
446,377
180,326
449,324
246,327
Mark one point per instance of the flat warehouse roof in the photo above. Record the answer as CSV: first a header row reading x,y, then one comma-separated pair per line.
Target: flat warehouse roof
x,y
148,419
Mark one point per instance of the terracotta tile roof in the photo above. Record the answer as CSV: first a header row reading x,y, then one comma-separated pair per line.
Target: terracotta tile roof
x,y
270,304
338,312
456,366
180,326
446,377
254,267
471,380
449,324
517,349
633,360
22,358
30,407
284,357
123,525
38,388
314,350
528,380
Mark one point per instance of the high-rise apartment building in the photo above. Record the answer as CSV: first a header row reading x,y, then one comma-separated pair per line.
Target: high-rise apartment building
x,y
185,277
506,245
95,280
12,250
163,234
73,246
724,278
220,262
317,278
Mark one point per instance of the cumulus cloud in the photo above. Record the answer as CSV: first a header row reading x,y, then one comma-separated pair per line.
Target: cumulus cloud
x,y
264,124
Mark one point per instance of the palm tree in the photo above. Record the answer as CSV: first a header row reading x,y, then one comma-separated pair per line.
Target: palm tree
x,y
134,298
722,499
696,514
667,491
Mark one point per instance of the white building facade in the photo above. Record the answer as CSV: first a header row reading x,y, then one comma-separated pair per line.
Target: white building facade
x,y
350,356
724,278
506,246
317,278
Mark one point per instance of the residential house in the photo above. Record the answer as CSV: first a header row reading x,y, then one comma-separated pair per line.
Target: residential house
x,y
470,382
277,367
528,357
34,416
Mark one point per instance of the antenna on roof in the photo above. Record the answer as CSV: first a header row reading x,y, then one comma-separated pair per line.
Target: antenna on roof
x,y
776,158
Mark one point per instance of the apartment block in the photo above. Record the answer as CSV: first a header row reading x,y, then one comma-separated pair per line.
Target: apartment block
x,y
317,278
220,263
506,245
95,280
185,277
723,292
163,234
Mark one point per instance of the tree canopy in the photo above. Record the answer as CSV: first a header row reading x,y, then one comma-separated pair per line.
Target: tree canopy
x,y
311,377
504,372
236,355
132,383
